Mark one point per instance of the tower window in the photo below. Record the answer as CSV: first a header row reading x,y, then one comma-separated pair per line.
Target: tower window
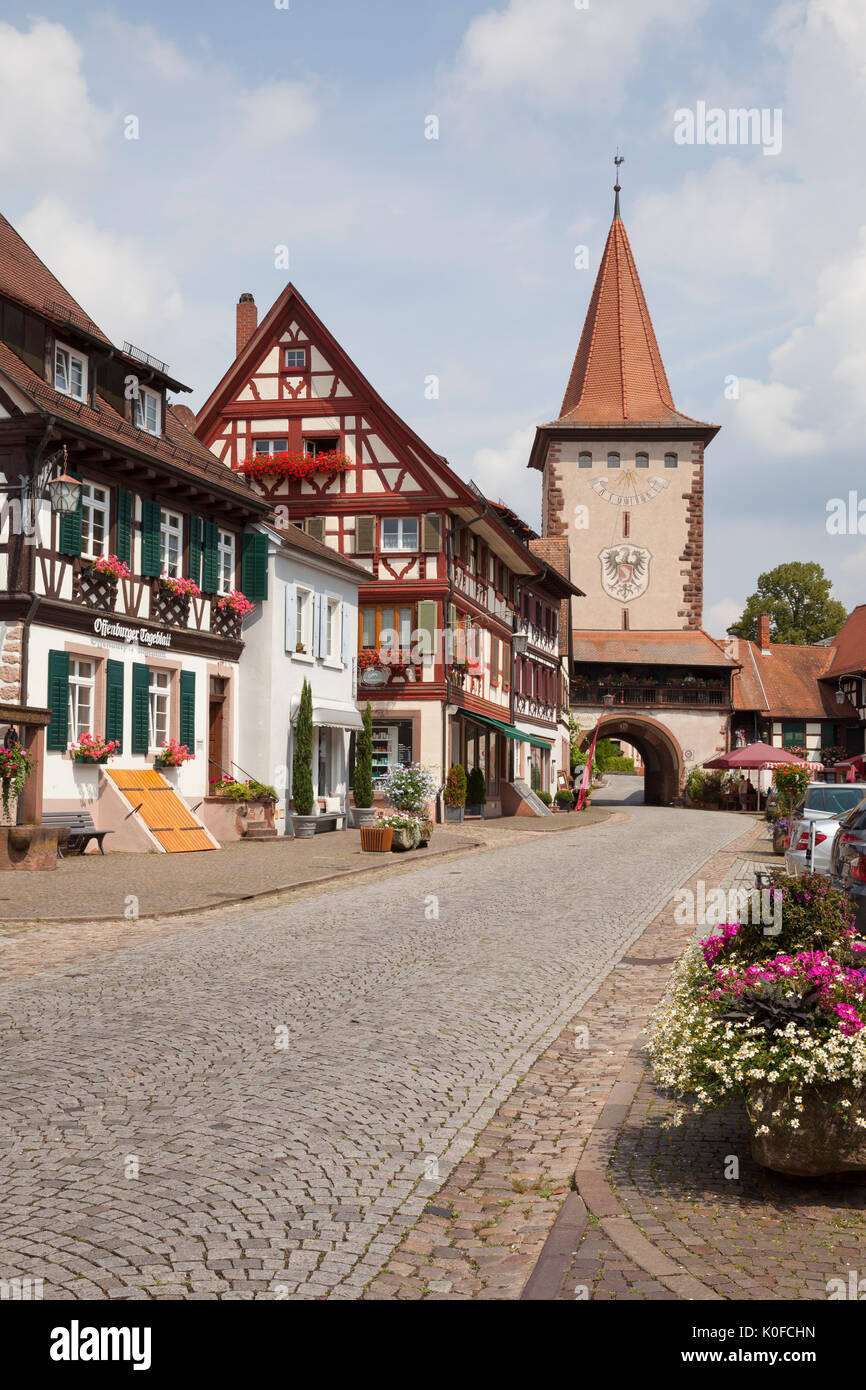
x,y
584,461
625,626
626,524
613,460
641,460
670,460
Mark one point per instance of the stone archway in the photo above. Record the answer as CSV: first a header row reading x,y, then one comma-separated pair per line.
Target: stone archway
x,y
659,749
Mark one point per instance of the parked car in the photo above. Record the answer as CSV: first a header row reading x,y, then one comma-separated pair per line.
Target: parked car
x,y
848,862
824,803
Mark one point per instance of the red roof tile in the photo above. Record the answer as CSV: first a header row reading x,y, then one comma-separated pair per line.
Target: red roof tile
x,y
849,645
785,682
674,647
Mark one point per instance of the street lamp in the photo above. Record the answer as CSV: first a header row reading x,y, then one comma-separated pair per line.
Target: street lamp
x,y
65,493
519,643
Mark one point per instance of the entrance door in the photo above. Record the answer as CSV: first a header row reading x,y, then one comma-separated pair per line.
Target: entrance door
x,y
215,728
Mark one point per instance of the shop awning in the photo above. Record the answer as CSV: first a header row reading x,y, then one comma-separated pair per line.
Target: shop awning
x,y
334,715
507,729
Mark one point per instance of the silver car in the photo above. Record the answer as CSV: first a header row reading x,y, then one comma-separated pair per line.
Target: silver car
x,y
824,804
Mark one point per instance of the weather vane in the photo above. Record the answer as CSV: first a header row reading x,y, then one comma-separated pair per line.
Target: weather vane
x,y
618,160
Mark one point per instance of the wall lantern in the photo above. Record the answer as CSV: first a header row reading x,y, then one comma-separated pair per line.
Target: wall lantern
x,y
519,643
65,493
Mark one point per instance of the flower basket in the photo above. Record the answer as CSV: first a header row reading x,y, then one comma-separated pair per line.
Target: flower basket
x,y
376,839
824,1145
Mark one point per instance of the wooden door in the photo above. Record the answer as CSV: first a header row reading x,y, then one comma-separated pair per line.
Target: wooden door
x,y
215,739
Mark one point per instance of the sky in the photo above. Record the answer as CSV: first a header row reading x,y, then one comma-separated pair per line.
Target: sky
x,y
305,124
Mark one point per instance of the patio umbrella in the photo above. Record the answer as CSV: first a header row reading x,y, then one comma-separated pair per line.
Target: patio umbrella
x,y
757,756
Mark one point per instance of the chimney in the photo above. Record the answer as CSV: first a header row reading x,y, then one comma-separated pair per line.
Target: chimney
x,y
764,633
247,321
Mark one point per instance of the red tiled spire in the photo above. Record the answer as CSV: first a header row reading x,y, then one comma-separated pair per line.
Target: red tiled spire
x,y
618,375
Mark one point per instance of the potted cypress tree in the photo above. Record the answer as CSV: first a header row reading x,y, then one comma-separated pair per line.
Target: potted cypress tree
x,y
303,820
454,795
476,793
362,782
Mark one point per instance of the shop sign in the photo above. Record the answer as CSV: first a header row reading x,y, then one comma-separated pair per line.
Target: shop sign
x,y
144,636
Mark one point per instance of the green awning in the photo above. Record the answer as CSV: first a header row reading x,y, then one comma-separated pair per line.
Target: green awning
x,y
507,729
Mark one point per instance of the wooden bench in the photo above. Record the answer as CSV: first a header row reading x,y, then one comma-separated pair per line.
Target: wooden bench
x,y
81,830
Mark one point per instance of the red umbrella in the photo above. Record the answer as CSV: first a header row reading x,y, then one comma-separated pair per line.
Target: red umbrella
x,y
756,756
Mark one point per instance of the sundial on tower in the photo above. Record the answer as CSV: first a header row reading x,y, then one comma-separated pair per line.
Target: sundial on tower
x,y
627,490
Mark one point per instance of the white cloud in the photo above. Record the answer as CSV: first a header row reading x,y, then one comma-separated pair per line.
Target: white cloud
x,y
120,281
719,616
559,56
502,473
276,110
47,120
766,415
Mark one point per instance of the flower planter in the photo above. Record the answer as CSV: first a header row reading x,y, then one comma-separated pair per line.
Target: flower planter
x,y
405,839
825,1144
426,832
376,839
90,762
304,827
779,843
362,815
455,814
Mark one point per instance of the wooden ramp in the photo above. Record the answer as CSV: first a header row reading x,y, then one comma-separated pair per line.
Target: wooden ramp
x,y
170,822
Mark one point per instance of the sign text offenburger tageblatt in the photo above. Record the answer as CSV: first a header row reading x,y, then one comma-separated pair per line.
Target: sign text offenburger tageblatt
x,y
103,627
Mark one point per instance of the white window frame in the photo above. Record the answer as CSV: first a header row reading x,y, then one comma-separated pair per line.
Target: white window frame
x,y
142,401
312,445
402,522
334,630
158,690
294,366
264,447
225,561
304,599
71,356
91,507
77,683
170,527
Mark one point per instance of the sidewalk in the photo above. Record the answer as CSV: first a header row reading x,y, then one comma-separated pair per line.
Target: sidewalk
x,y
653,1215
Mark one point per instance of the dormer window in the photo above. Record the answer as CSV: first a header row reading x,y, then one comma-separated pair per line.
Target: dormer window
x,y
147,411
295,359
70,372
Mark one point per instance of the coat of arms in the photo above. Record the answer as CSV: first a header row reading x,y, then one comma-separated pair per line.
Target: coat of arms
x,y
625,571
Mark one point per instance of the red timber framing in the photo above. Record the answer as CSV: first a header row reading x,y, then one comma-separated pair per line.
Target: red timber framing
x,y
399,510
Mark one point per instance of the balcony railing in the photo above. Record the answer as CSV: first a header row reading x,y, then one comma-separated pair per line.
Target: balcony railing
x,y
534,709
586,693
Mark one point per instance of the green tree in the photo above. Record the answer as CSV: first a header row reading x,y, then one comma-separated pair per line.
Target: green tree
x,y
302,763
796,598
362,782
476,791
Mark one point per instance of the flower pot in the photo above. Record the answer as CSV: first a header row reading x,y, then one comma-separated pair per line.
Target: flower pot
x,y
362,815
825,1144
455,814
426,832
405,839
304,827
376,839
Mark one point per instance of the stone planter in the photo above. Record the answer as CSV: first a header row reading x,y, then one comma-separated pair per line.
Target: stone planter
x,y
304,827
454,814
376,839
426,832
779,842
406,839
825,1146
362,815
29,847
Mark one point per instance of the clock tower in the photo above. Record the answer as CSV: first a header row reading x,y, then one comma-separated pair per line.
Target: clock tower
x,y
622,468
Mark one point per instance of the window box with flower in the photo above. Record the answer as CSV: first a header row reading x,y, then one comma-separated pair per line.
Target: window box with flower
x,y
290,464
173,754
93,748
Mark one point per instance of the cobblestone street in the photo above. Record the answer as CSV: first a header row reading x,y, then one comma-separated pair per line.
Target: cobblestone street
x,y
264,1107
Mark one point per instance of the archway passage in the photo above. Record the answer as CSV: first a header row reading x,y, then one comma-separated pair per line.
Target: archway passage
x,y
659,749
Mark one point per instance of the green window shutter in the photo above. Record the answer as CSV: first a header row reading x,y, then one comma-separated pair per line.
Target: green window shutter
x,y
69,533
124,525
428,613
57,733
210,558
187,709
150,544
140,708
195,539
254,566
431,533
114,701
365,535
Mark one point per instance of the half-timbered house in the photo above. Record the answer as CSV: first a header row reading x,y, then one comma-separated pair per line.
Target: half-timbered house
x,y
118,616
439,611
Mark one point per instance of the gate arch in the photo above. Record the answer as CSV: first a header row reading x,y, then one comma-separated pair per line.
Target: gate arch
x,y
661,753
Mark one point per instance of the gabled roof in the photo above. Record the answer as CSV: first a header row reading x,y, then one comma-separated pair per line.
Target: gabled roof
x,y
618,377
24,278
177,451
785,681
849,645
669,647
